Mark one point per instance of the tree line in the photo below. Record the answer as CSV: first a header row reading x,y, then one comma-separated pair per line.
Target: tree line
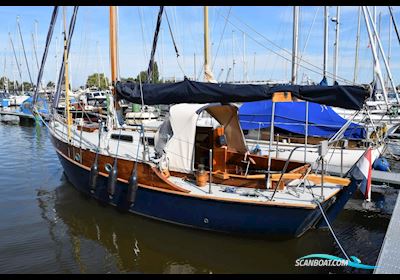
x,y
99,80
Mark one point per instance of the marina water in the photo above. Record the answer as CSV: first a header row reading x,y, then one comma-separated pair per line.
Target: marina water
x,y
46,226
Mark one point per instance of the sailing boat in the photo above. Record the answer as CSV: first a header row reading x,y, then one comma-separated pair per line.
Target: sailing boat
x,y
197,176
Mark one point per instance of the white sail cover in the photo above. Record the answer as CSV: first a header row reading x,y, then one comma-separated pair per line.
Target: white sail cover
x,y
183,120
179,149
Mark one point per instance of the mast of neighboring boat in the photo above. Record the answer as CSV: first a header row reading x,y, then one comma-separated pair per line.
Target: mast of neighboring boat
x,y
325,65
295,43
66,80
5,82
375,57
374,61
337,30
34,38
389,50
162,57
35,49
357,46
23,49
12,66
16,62
389,72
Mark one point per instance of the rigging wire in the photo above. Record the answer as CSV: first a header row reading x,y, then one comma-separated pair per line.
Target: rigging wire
x,y
172,36
15,55
329,74
154,46
174,43
45,53
282,39
178,31
222,35
309,33
143,37
61,72
23,48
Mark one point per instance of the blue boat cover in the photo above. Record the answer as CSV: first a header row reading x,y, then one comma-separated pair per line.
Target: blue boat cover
x,y
291,116
41,104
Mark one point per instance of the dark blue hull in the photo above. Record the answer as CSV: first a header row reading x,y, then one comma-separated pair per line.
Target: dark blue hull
x,y
202,213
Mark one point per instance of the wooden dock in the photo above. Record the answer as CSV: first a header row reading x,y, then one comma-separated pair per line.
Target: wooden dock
x,y
389,256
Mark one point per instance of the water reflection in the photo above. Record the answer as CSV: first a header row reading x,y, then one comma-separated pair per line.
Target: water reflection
x,y
132,243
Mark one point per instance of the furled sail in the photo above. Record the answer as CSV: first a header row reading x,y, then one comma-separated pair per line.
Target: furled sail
x,y
348,97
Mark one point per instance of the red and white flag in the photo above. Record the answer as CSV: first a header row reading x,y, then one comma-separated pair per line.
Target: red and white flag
x,y
362,173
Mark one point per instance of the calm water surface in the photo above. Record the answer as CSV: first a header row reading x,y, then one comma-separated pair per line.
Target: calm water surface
x,y
46,226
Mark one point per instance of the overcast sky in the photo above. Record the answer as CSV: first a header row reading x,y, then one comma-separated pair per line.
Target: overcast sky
x,y
267,42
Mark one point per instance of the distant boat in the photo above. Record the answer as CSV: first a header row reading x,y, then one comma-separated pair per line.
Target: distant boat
x,y
17,100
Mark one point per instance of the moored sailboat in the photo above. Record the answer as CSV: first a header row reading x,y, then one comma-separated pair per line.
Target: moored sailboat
x,y
198,176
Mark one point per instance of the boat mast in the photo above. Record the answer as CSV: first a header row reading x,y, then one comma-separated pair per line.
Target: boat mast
x,y
23,48
389,50
374,54
34,37
335,61
374,65
208,76
326,15
295,43
5,81
113,49
66,76
384,59
16,61
357,46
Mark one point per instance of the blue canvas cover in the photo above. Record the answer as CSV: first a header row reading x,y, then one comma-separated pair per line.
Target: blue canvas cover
x,y
41,104
291,116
